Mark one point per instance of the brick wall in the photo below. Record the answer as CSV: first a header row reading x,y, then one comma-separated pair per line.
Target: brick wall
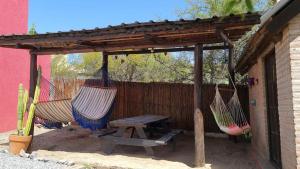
x,y
287,53
285,102
294,53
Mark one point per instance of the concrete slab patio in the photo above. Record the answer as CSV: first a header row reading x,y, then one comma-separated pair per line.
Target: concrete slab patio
x,y
78,145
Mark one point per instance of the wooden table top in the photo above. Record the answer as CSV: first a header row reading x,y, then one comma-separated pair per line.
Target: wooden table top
x,y
141,121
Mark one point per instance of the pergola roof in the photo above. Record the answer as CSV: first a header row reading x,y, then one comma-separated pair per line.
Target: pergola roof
x,y
135,36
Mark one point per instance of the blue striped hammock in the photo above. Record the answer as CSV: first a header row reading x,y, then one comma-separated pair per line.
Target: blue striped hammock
x,y
90,108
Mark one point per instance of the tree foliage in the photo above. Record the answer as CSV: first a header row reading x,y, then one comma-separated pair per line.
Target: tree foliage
x,y
32,30
137,67
61,68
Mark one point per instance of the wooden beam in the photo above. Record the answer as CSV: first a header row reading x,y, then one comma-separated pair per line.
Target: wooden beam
x,y
21,46
121,51
33,74
32,84
105,69
183,49
225,37
198,117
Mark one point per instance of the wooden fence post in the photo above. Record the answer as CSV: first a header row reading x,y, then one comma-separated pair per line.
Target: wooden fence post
x,y
198,117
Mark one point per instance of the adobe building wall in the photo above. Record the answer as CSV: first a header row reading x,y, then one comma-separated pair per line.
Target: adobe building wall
x,y
14,64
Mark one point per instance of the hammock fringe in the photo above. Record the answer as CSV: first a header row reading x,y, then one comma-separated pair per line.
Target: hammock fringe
x,y
89,123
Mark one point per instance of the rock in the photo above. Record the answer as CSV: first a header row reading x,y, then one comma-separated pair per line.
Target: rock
x,y
71,163
24,154
65,162
33,155
17,162
4,151
42,160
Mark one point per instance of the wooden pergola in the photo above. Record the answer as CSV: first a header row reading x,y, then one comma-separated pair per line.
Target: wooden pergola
x,y
148,37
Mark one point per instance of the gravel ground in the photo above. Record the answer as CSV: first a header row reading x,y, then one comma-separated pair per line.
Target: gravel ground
x,y
8,161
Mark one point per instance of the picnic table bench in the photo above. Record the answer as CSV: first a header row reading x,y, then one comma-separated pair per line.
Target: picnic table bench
x,y
139,124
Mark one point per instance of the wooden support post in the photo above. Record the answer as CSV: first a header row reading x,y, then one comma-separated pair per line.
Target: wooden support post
x,y
32,83
33,74
198,117
231,66
105,68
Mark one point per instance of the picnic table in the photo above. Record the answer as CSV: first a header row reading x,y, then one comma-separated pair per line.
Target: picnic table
x,y
138,124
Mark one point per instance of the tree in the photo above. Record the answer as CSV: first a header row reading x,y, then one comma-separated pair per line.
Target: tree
x,y
134,67
214,67
210,8
32,30
61,68
249,4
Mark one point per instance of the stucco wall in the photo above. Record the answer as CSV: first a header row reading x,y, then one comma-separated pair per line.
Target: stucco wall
x,y
14,64
258,113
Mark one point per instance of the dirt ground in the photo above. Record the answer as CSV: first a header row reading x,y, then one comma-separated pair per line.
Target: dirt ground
x,y
80,146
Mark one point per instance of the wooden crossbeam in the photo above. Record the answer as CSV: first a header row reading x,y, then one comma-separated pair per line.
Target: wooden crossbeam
x,y
225,37
118,48
147,51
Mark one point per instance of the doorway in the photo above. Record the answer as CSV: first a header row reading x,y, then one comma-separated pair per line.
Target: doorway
x,y
272,110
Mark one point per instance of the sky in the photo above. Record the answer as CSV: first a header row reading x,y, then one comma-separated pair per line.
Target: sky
x,y
64,15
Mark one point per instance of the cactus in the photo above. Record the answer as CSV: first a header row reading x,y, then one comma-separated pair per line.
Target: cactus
x,y
33,104
25,101
22,103
20,110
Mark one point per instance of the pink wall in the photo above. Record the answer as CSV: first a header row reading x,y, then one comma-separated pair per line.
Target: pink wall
x,y
14,64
